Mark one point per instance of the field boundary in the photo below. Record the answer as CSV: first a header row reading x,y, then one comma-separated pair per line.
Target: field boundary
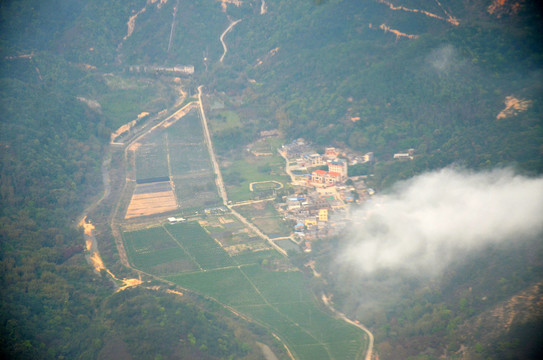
x,y
183,248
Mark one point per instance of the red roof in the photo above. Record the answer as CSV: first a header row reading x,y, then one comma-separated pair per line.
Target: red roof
x,y
334,174
320,172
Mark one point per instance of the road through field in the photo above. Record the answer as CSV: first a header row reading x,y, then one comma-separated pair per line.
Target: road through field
x,y
220,183
216,168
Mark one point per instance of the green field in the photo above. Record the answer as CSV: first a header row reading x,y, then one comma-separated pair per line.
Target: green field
x,y
240,170
154,251
268,185
126,97
252,169
224,120
206,252
279,300
266,218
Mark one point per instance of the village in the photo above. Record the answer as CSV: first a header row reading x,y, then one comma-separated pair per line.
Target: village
x,y
323,190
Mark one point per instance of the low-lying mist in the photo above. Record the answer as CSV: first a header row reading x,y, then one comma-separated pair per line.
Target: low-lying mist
x,y
438,218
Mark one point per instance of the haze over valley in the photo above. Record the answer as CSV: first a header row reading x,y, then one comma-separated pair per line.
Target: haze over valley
x,y
258,179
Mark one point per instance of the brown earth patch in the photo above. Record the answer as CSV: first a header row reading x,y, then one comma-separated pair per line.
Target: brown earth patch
x,y
225,3
513,106
179,114
135,146
499,8
122,129
151,204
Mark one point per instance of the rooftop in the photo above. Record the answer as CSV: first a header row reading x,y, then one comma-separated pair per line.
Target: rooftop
x,y
320,172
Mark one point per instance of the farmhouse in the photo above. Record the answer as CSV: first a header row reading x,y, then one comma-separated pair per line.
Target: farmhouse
x,y
184,69
337,173
402,156
328,178
339,167
323,215
269,133
331,153
310,222
312,160
405,156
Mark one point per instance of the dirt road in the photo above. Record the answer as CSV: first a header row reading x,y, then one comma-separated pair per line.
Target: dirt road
x,y
222,38
216,168
342,316
220,183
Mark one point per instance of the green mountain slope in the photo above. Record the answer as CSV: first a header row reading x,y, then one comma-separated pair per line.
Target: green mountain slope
x,y
59,103
381,76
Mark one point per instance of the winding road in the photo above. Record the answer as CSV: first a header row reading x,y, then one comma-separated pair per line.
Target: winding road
x,y
222,38
342,316
222,191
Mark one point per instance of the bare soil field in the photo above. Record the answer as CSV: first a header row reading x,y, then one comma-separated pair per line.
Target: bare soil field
x,y
151,203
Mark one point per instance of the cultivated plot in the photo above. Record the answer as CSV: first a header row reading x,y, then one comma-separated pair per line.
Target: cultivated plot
x,y
248,169
150,199
151,156
191,169
266,218
196,191
277,299
175,160
153,250
233,236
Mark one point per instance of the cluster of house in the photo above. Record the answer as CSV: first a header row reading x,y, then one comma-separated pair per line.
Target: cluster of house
x,y
302,157
310,214
323,190
336,174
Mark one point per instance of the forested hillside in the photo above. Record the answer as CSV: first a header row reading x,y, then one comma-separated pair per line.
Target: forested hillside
x,y
462,87
329,73
60,100
458,82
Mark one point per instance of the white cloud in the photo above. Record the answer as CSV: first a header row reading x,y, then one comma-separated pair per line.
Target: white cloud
x,y
444,59
427,222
